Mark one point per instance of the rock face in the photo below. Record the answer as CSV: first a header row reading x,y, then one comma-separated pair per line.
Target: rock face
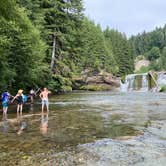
x,y
98,81
141,63
103,79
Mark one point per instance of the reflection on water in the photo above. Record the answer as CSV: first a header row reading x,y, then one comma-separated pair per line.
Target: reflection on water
x,y
5,125
44,123
77,118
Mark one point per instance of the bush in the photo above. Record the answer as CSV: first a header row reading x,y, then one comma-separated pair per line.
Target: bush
x,y
163,88
143,69
60,84
96,87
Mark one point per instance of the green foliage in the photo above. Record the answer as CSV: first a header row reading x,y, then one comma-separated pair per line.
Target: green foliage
x,y
162,60
152,46
94,53
95,87
28,29
22,52
143,69
8,9
153,54
122,51
163,88
60,83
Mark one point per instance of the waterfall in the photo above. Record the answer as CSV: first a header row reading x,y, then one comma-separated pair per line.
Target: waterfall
x,y
135,82
161,80
130,82
123,87
145,82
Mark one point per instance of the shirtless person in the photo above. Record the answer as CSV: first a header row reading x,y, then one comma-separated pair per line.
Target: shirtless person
x,y
44,97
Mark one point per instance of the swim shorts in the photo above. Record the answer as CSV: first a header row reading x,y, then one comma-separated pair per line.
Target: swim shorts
x,y
45,102
5,104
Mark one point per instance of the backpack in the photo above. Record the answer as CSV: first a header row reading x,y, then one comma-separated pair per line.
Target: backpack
x,y
5,96
25,98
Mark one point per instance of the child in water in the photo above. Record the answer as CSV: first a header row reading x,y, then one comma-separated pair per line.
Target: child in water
x,y
5,103
31,94
19,98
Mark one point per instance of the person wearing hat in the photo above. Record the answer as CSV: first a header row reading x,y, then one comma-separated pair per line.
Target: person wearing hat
x,y
19,98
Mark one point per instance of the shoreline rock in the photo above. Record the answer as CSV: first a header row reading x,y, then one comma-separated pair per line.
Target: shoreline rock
x,y
97,82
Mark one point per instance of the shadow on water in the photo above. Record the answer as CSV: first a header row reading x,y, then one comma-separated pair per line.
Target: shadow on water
x,y
73,119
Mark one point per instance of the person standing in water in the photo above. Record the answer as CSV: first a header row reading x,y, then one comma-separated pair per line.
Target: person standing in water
x,y
5,103
44,97
19,98
32,94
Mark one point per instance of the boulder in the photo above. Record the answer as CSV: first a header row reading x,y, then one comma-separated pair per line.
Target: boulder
x,y
97,81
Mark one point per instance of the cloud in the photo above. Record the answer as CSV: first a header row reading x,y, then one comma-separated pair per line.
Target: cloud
x,y
127,16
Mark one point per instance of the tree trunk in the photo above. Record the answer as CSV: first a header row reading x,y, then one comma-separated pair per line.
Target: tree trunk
x,y
53,53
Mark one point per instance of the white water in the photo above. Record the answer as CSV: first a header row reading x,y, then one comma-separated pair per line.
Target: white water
x,y
161,78
131,82
145,84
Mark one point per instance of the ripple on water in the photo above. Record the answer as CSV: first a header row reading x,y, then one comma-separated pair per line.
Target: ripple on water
x,y
79,118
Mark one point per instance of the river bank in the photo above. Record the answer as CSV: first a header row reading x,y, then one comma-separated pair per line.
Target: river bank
x,y
101,81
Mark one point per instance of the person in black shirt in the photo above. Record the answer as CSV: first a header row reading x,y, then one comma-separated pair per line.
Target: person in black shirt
x,y
19,98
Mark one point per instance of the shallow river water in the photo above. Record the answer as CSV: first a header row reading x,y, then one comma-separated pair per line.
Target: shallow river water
x,y
87,128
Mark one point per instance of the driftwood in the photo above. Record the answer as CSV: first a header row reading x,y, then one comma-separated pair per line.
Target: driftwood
x,y
151,74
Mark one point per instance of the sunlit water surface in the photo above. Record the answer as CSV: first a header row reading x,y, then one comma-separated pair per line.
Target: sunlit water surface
x,y
76,119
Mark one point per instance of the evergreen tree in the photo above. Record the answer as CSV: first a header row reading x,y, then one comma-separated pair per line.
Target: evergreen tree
x,y
22,52
37,34
162,60
122,51
151,46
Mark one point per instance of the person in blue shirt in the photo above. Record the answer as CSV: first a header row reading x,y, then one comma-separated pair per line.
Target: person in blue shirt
x,y
5,102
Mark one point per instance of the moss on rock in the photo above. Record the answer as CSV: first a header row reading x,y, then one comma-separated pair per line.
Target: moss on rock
x,y
96,87
163,88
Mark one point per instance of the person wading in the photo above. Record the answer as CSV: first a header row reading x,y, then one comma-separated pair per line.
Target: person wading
x,y
5,103
19,98
44,97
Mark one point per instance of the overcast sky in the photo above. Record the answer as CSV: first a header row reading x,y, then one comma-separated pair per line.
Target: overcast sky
x,y
129,16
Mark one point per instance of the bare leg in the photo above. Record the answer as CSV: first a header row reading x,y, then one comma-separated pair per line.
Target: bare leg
x,y
31,99
18,111
21,110
42,107
47,108
4,113
18,107
47,105
6,109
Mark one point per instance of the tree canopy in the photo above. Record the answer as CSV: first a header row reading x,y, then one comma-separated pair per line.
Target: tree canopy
x,y
152,46
49,42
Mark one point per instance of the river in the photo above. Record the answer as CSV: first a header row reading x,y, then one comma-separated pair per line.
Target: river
x,y
88,128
